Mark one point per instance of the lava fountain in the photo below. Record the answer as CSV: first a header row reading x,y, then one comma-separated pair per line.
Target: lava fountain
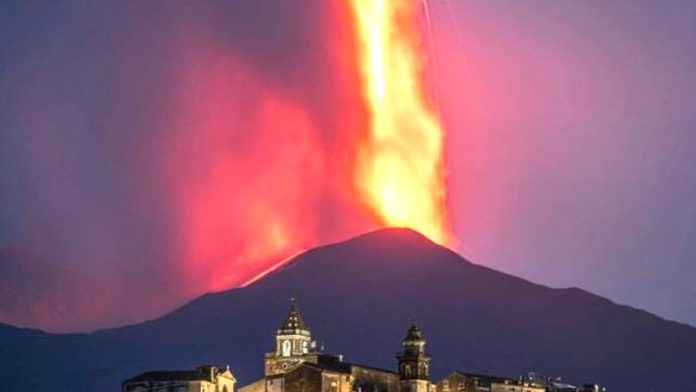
x,y
399,168
259,130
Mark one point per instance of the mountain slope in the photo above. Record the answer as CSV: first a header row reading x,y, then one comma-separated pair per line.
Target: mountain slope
x,y
359,297
36,292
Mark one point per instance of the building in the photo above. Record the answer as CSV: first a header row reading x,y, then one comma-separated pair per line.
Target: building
x,y
414,365
554,384
469,382
297,366
202,379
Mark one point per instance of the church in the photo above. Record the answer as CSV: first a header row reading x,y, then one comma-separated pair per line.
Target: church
x,y
297,366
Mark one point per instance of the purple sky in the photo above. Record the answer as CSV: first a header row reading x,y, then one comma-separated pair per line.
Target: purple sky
x,y
571,144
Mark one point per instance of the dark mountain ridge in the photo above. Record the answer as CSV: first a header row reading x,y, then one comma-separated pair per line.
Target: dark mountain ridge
x,y
359,297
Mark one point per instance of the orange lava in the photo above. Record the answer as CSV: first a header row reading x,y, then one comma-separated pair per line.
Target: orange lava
x,y
399,169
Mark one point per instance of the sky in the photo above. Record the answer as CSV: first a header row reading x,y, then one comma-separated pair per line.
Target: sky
x,y
170,149
572,143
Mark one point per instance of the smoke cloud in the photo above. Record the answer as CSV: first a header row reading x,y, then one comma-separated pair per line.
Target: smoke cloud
x,y
168,150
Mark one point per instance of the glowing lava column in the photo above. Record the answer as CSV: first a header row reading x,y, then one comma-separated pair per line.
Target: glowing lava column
x,y
399,167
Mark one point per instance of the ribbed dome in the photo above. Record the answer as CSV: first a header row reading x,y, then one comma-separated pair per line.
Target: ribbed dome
x,y
294,321
414,334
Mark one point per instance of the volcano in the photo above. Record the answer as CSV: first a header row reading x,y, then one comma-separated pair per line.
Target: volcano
x,y
359,297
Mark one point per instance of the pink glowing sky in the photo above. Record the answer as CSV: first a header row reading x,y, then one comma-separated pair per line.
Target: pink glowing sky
x,y
147,145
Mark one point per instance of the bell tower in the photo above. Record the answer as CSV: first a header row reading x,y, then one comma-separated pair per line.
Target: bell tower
x,y
293,340
414,372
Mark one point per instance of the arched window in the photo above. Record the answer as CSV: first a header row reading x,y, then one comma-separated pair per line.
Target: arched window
x,y
285,348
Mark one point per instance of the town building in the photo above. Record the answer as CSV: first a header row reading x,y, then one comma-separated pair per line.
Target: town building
x,y
555,384
469,382
202,379
296,365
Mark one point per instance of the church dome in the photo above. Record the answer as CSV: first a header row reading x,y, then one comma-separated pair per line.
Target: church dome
x,y
294,321
414,334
